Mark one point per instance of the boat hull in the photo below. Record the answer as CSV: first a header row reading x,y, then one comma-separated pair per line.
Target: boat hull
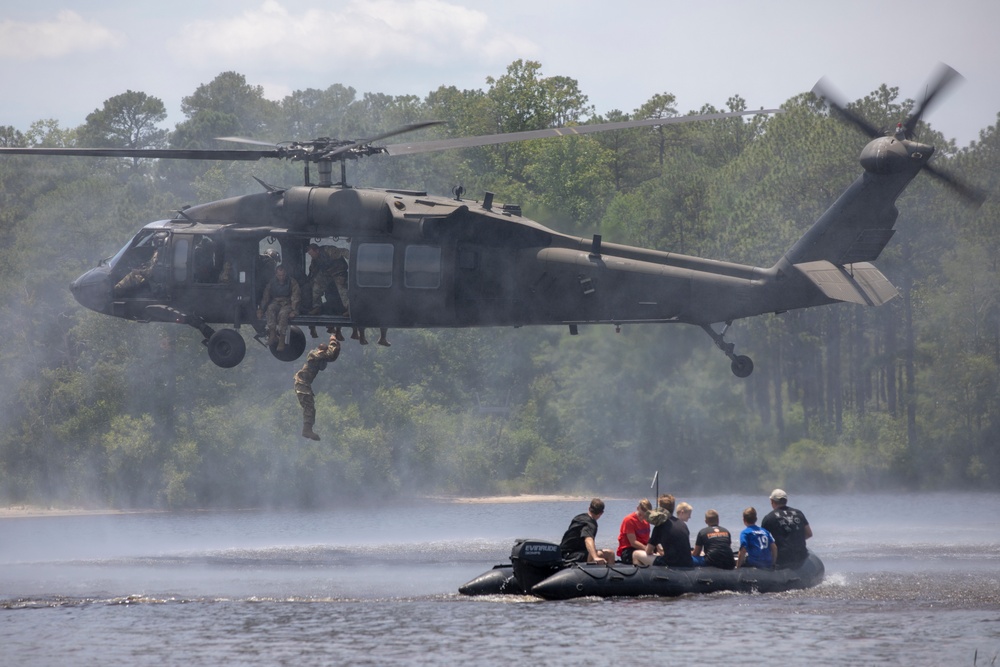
x,y
619,580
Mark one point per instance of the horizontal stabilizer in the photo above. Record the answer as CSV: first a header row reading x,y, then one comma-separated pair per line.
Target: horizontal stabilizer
x,y
856,283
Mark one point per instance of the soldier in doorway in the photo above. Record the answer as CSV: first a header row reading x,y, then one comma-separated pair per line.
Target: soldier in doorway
x,y
279,304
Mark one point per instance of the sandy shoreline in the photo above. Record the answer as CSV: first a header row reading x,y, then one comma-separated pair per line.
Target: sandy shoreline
x,y
527,498
32,511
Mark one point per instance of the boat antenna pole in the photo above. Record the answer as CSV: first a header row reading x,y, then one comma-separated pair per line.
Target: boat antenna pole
x,y
656,483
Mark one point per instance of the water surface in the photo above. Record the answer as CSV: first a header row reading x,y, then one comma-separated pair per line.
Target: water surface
x,y
911,580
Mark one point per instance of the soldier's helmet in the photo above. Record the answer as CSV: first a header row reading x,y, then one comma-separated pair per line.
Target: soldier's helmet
x,y
160,238
273,255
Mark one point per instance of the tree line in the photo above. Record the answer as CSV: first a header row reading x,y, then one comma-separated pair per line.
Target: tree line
x,y
96,410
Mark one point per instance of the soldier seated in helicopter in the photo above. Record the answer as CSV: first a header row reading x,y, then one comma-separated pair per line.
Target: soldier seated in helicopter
x,y
280,303
140,276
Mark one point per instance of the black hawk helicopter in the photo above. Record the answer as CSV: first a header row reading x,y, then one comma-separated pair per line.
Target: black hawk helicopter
x,y
417,261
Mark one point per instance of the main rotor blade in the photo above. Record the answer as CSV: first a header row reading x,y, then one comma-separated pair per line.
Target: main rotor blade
x,y
510,137
973,195
944,77
834,100
167,153
245,140
412,127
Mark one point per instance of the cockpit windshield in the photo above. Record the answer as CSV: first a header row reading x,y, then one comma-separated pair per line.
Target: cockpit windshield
x,y
143,239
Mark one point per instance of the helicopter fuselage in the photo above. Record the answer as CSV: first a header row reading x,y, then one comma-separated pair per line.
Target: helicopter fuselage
x,y
418,261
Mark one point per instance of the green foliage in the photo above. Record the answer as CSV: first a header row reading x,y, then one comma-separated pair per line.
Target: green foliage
x,y
126,121
101,411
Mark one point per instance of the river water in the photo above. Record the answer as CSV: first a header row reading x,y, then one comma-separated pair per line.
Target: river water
x,y
911,580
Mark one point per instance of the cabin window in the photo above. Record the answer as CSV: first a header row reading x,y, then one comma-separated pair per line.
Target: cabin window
x,y
374,265
422,267
180,259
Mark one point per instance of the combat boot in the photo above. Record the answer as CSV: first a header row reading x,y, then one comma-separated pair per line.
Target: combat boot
x,y
272,337
281,344
340,336
307,432
312,332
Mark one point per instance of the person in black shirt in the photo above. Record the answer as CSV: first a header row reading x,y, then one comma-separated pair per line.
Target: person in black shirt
x,y
716,544
578,542
790,530
670,541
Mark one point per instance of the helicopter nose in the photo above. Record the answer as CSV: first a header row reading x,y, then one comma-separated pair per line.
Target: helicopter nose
x,y
93,289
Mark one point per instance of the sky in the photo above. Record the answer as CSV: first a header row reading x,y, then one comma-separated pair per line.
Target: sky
x,y
61,59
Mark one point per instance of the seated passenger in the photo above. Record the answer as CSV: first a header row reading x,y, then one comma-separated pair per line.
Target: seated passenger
x,y
279,304
578,542
670,542
634,532
716,544
757,548
142,275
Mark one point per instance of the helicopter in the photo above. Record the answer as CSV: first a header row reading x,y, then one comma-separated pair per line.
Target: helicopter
x,y
415,260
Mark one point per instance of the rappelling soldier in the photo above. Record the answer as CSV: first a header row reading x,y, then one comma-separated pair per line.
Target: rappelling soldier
x,y
280,303
315,362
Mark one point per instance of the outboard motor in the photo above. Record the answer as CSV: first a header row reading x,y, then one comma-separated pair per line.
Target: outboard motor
x,y
534,561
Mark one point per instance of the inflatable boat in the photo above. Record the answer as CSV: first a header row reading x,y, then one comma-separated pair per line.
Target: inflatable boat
x,y
537,568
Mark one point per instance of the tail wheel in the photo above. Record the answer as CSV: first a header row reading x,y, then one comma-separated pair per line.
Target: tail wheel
x,y
226,348
742,366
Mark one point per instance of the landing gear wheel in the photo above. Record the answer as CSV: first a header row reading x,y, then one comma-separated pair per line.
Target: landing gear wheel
x,y
742,366
226,348
294,348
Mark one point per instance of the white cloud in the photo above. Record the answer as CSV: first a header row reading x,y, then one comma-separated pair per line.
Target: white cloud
x,y
362,34
68,33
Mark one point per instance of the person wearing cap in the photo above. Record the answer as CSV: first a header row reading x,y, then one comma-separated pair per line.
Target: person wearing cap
x,y
790,529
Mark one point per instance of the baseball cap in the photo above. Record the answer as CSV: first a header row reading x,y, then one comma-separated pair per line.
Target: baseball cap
x,y
779,494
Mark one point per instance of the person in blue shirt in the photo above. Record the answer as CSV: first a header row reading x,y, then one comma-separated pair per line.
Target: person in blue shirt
x,y
757,547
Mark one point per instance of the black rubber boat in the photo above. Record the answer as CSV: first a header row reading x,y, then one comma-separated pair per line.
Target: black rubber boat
x,y
537,568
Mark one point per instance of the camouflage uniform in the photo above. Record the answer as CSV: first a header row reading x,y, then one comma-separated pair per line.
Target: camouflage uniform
x,y
328,268
315,362
137,277
280,300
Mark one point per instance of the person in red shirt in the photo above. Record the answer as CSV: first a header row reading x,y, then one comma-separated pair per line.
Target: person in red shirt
x,y
634,533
